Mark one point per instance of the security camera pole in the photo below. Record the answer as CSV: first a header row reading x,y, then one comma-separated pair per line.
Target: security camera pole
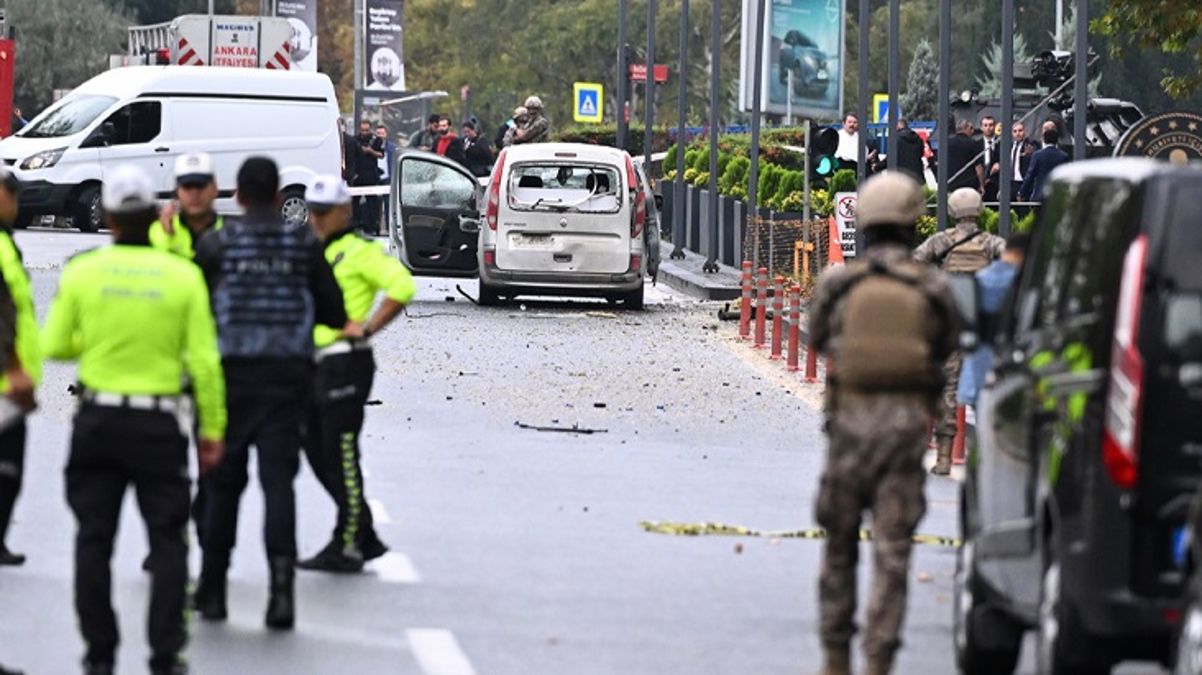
x,y
757,91
649,88
357,17
894,79
862,108
1005,170
623,75
1081,84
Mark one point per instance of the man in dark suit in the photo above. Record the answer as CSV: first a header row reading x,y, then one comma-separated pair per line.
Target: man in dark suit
x,y
964,168
1020,157
989,158
1042,163
909,151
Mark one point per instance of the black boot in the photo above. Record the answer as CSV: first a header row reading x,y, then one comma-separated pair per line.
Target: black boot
x,y
281,607
332,558
209,597
8,558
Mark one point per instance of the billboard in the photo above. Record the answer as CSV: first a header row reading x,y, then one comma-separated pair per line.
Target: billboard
x,y
302,14
384,69
803,57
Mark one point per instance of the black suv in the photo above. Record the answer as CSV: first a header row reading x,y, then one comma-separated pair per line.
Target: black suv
x,y
1086,452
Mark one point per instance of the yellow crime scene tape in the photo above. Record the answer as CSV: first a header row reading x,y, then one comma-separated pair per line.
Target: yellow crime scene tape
x,y
723,530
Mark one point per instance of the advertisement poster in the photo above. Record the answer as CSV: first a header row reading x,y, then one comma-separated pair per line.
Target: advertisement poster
x,y
302,14
803,47
383,38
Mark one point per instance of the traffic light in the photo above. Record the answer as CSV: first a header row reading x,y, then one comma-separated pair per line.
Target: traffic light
x,y
823,144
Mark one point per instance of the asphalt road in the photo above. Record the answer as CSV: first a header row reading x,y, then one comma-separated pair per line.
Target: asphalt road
x,y
514,550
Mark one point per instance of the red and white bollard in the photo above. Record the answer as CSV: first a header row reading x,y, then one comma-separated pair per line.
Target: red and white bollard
x,y
778,316
811,374
761,306
794,328
961,432
745,303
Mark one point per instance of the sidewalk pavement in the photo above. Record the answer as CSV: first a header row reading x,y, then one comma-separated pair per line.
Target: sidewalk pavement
x,y
687,276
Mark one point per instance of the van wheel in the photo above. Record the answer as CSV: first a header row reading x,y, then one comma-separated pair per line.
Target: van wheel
x,y
488,296
88,216
293,209
987,641
1189,639
633,299
1063,649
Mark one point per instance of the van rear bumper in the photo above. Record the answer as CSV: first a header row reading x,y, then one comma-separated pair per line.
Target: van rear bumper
x,y
43,198
591,284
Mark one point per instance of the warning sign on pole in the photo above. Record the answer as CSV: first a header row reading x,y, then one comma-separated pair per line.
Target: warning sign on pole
x,y
845,221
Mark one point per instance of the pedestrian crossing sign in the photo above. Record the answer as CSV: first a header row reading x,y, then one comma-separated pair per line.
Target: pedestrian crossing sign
x,y
589,101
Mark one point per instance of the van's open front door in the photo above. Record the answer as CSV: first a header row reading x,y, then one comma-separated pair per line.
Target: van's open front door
x,y
435,222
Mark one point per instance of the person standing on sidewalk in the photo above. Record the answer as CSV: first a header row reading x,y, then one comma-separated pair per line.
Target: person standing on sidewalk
x,y
136,319
964,249
345,370
270,285
22,360
886,323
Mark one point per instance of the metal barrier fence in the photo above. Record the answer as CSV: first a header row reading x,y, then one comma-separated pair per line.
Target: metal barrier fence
x,y
796,249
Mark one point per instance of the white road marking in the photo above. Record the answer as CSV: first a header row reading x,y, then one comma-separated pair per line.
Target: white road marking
x,y
437,652
395,568
379,513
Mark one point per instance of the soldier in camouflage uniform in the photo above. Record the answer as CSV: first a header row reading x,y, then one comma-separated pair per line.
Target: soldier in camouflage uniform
x,y
537,127
964,249
886,324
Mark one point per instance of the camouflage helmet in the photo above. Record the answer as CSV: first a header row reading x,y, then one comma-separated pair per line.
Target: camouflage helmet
x,y
890,198
964,204
520,111
534,103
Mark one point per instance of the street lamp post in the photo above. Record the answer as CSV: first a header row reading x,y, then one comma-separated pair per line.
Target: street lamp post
x,y
1006,170
623,75
649,88
678,210
862,108
944,121
711,262
894,78
757,91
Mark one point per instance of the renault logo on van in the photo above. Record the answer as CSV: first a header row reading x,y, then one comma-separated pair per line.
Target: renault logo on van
x,y
563,222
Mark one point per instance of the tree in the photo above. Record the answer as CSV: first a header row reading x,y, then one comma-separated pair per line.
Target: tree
x,y
989,84
921,100
60,44
1173,28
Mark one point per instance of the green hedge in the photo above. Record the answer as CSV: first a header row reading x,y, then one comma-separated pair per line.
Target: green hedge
x,y
607,134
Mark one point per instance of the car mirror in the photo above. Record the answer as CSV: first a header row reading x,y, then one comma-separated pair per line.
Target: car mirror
x,y
659,202
964,294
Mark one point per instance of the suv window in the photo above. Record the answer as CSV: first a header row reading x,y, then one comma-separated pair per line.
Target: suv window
x,y
1097,255
138,122
1038,298
1185,238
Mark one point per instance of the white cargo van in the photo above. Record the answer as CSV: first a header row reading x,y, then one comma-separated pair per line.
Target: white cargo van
x,y
147,116
559,219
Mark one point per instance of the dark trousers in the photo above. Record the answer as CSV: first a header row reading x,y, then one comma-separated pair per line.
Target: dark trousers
x,y
12,468
332,429
112,448
266,399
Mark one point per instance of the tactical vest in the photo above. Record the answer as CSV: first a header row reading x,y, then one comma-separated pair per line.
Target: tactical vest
x,y
967,255
262,302
884,342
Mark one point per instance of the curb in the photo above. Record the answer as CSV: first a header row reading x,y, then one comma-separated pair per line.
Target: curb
x,y
695,285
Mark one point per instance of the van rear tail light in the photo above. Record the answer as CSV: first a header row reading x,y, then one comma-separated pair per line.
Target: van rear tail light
x,y
490,258
1124,398
636,262
639,217
494,192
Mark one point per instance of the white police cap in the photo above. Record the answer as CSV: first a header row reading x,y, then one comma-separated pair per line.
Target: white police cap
x,y
194,167
127,189
327,190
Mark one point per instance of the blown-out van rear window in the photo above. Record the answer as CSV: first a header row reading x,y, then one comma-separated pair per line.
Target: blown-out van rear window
x,y
565,187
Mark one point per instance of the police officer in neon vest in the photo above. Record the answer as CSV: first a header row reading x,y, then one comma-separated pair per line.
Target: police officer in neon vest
x,y
270,285
22,359
345,370
136,319
178,229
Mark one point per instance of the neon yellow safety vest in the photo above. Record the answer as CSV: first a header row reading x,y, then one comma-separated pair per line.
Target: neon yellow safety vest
x,y
27,347
180,241
363,269
136,318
